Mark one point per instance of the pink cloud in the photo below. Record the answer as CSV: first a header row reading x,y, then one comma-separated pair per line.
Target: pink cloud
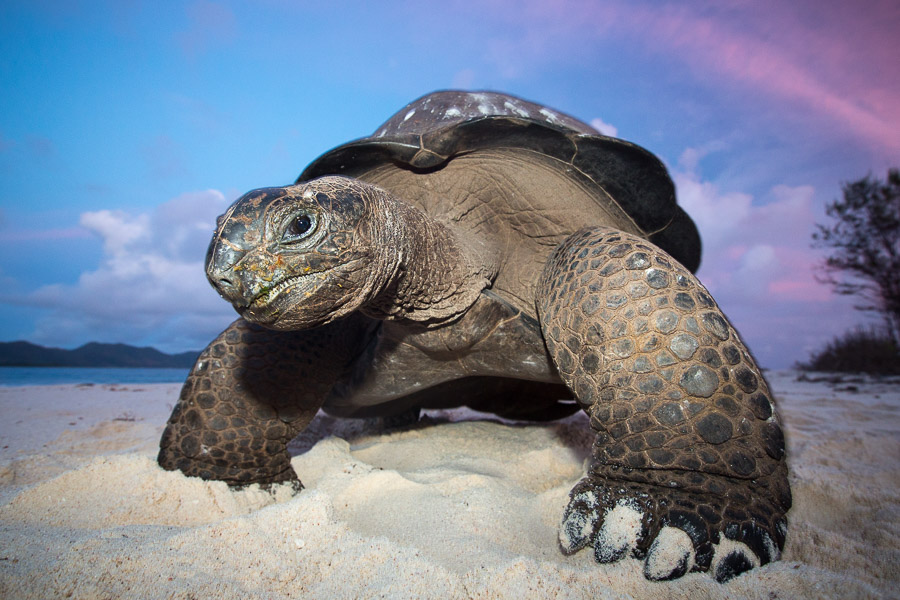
x,y
604,127
833,60
794,279
758,265
801,291
791,60
754,251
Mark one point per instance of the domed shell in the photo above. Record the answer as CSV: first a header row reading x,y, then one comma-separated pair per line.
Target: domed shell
x,y
429,132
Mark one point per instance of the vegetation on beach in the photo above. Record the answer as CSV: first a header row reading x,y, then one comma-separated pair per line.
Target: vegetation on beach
x,y
864,240
857,351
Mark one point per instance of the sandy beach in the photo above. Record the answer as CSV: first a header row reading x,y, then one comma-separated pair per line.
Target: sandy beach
x,y
459,506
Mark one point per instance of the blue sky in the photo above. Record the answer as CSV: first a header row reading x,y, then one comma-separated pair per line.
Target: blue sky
x,y
127,126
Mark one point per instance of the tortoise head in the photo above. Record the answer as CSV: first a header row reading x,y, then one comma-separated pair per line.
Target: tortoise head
x,y
303,255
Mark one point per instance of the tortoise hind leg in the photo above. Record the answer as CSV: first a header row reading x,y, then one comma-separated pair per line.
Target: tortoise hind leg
x,y
250,392
688,467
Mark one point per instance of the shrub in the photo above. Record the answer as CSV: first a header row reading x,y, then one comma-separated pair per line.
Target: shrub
x,y
857,351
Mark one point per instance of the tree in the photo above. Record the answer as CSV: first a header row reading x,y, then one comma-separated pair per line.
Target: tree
x,y
865,244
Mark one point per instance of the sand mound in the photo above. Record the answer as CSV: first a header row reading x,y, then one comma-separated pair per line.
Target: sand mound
x,y
457,507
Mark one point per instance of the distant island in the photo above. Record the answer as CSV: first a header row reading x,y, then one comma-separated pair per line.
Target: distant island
x,y
93,354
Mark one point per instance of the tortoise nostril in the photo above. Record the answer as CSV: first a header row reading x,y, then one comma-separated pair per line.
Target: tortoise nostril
x,y
231,289
227,286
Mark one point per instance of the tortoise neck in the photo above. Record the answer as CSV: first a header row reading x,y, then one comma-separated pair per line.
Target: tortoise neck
x,y
439,273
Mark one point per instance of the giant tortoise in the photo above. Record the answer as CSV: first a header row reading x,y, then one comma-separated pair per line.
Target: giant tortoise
x,y
482,250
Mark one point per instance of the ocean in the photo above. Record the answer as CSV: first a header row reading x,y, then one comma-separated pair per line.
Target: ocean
x,y
18,376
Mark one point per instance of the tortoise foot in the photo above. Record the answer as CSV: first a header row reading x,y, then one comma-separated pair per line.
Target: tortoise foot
x,y
672,530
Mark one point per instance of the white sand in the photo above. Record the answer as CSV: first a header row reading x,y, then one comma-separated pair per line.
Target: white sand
x,y
456,508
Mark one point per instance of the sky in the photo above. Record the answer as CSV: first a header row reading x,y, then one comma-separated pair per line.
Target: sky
x,y
127,126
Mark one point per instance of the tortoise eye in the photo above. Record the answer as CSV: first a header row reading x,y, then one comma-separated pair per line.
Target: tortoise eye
x,y
299,227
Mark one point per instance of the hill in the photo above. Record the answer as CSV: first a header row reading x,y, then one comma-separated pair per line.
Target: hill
x,y
93,354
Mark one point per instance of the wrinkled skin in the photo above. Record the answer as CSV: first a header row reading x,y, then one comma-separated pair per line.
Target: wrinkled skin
x,y
356,301
288,274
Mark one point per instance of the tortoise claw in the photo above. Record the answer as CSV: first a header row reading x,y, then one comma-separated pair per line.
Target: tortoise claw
x,y
731,565
619,533
617,518
670,556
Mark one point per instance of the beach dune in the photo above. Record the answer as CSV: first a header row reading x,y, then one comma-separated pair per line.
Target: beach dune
x,y
462,505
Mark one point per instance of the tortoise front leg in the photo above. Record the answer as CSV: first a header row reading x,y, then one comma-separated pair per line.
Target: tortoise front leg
x,y
251,391
688,466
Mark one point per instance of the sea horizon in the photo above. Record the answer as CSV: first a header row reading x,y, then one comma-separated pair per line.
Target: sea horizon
x,y
34,376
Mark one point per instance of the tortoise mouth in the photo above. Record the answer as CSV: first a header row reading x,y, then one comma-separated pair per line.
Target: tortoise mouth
x,y
272,294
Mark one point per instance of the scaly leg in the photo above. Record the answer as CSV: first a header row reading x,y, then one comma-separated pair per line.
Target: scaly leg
x,y
250,392
688,468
